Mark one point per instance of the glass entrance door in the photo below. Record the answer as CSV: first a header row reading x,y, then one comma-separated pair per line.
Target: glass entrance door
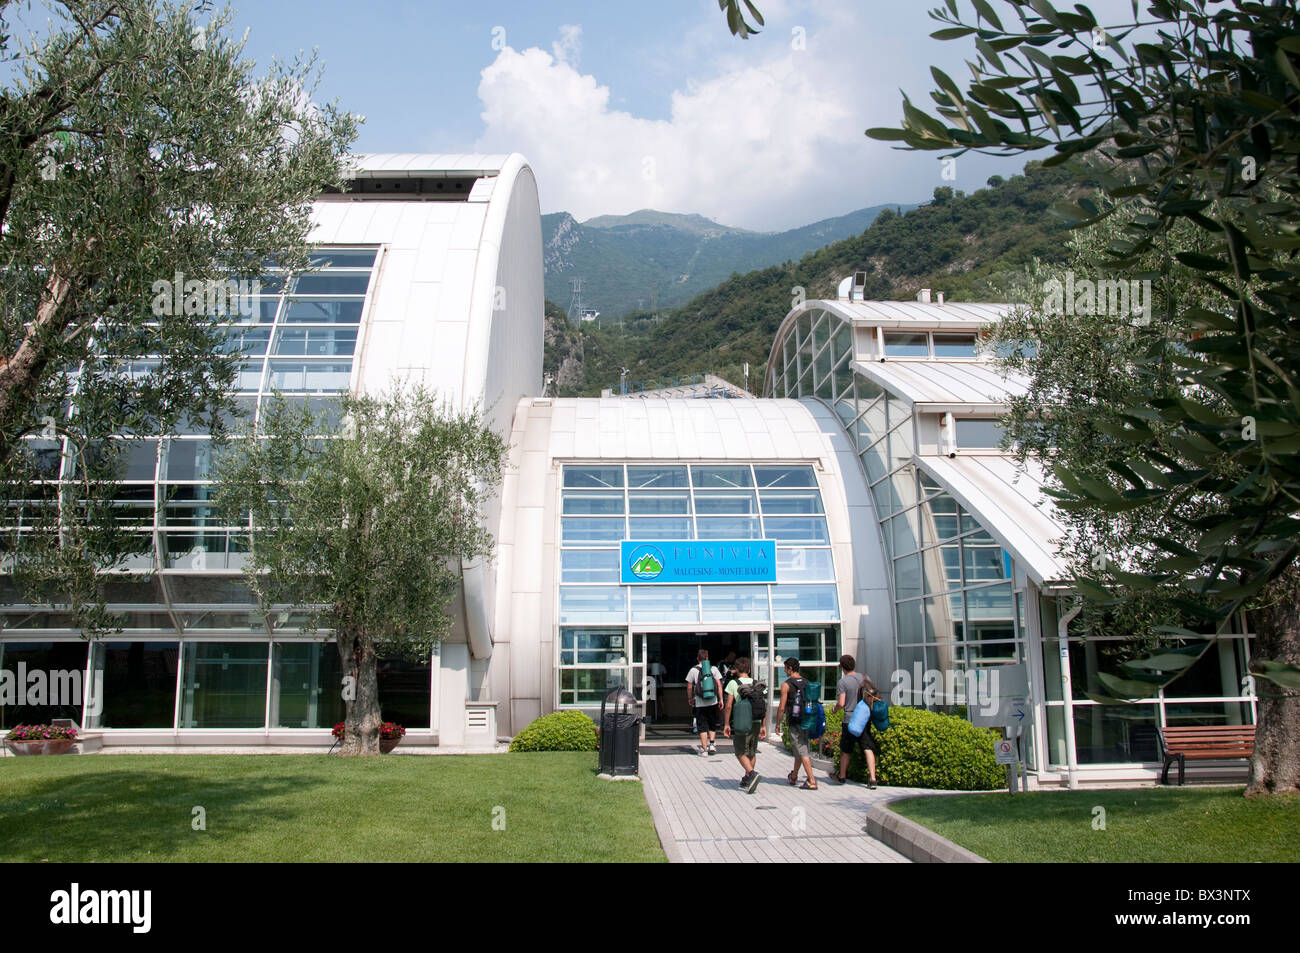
x,y
662,660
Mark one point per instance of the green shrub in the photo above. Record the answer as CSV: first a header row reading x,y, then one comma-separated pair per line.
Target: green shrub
x,y
922,749
558,731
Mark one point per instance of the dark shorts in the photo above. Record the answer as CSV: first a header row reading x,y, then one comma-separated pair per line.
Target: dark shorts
x,y
706,718
746,743
866,742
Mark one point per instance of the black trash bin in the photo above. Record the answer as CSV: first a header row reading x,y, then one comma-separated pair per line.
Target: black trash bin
x,y
620,734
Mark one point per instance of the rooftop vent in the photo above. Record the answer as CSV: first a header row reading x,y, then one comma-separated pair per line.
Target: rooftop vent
x,y
923,296
853,288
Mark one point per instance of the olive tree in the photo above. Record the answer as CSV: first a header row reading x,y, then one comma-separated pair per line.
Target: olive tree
x,y
146,178
363,526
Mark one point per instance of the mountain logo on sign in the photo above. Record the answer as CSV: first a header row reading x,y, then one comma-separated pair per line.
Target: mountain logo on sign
x,y
647,562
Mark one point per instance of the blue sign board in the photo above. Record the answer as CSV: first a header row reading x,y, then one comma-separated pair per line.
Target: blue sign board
x,y
693,561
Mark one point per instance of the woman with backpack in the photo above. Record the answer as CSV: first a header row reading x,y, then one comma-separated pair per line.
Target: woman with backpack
x,y
794,704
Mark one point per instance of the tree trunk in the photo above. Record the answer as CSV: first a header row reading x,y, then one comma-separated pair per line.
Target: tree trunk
x,y
1275,767
361,723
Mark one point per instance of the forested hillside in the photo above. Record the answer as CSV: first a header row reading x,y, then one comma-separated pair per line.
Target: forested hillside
x,y
963,245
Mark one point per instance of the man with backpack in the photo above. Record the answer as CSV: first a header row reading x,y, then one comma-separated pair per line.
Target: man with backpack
x,y
855,689
704,696
796,701
745,720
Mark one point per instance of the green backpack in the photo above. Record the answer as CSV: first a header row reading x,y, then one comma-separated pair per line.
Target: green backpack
x,y
749,708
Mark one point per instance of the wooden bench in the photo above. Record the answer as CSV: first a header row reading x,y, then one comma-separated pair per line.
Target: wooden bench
x,y
1204,743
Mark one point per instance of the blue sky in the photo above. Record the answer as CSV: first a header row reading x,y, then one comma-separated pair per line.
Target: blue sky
x,y
624,105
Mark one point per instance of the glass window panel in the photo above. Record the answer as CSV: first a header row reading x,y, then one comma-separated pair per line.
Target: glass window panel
x,y
802,644
900,443
843,341
343,258
324,311
310,376
989,602
721,477
734,603
665,603
785,477
904,344
332,283
137,684
188,460
796,529
405,686
907,577
792,502
594,477
982,563
954,345
587,687
592,530
979,434
944,619
321,342
910,619
711,502
210,590
59,693
593,646
654,502
589,565
592,503
903,528
306,682
656,477
874,463
247,340
592,604
727,527
223,685
1107,734
648,527
804,564
799,603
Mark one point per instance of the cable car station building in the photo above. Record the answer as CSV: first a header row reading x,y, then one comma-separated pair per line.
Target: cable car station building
x,y
862,505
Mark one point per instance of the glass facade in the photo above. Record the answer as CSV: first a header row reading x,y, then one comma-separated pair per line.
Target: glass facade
x,y
195,650
957,605
601,505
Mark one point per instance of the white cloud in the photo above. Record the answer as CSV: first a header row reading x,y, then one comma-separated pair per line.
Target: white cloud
x,y
740,147
568,48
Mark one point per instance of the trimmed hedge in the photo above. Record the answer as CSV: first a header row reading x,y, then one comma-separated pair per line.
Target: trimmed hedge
x,y
558,731
922,749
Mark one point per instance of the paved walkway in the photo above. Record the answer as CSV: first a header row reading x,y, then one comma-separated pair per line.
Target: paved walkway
x,y
702,815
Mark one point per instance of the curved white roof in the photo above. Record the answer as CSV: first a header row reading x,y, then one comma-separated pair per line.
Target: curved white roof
x,y
944,382
1010,504
437,163
906,313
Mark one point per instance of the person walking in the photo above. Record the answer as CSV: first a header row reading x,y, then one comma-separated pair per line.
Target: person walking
x,y
704,698
852,690
742,691
794,702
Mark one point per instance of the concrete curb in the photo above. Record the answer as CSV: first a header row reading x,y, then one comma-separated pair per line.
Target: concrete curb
x,y
919,844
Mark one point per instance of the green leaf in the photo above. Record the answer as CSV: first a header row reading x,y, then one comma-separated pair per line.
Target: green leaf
x,y
1127,688
1280,673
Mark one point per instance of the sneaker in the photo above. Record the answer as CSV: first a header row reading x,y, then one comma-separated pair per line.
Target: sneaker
x,y
872,784
744,780
704,752
754,778
712,749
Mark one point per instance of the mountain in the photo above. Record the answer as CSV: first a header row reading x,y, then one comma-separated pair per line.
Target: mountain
x,y
651,260
963,245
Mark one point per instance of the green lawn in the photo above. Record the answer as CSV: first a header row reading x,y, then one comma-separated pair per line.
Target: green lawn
x,y
1143,825
321,808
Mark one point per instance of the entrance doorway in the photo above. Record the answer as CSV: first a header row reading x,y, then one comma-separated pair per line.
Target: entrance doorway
x,y
670,656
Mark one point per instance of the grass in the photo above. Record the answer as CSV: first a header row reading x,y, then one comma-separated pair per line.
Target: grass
x,y
321,808
1198,825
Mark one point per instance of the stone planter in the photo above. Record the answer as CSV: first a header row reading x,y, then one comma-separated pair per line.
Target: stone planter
x,y
388,744
47,746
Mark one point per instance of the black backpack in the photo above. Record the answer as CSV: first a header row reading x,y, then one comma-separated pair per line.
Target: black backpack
x,y
749,708
798,700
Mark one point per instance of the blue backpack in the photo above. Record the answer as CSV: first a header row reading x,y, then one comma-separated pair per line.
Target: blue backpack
x,y
813,720
859,719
